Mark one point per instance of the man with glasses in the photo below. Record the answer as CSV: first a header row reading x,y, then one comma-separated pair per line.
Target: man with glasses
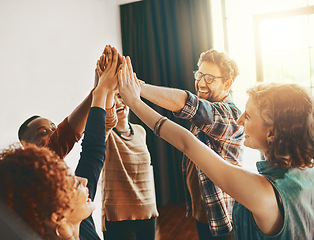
x,y
213,117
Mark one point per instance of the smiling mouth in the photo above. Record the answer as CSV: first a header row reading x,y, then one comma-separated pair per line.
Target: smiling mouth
x,y
203,91
120,109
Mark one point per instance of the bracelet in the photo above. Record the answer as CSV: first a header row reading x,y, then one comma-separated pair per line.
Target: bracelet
x,y
158,125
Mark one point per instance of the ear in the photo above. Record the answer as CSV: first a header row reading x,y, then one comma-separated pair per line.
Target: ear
x,y
270,134
57,219
227,84
61,227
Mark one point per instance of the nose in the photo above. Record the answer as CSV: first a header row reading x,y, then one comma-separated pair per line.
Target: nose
x,y
50,131
202,82
83,181
240,120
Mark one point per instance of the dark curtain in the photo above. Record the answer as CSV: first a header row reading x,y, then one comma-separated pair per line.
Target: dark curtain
x,y
164,39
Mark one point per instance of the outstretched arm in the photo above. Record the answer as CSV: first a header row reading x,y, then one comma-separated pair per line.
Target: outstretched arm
x,y
250,189
77,119
171,99
93,144
108,78
107,83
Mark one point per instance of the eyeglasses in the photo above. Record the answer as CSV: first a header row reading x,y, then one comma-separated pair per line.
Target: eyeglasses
x,y
207,77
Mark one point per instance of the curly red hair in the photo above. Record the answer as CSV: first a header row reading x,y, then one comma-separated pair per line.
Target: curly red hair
x,y
289,109
35,183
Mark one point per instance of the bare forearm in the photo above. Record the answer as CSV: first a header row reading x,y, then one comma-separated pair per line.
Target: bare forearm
x,y
110,100
170,131
100,98
77,119
250,189
171,99
234,180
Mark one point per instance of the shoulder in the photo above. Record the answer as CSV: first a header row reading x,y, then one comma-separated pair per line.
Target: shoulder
x,y
138,129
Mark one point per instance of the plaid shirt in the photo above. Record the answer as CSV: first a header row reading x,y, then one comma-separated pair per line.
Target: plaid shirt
x,y
215,124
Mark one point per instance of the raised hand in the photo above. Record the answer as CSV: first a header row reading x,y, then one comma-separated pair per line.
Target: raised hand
x,y
103,61
128,85
107,68
107,72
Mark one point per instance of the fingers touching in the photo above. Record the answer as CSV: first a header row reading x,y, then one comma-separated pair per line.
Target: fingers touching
x,y
128,85
117,71
107,68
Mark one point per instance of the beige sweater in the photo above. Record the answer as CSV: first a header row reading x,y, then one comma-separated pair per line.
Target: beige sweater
x,y
127,178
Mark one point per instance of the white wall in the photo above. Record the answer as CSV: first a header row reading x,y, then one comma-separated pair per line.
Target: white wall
x,y
48,53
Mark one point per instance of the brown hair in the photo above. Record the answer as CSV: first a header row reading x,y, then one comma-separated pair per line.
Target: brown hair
x,y
289,109
227,66
34,184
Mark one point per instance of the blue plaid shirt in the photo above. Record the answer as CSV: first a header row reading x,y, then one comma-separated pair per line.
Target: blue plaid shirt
x,y
215,124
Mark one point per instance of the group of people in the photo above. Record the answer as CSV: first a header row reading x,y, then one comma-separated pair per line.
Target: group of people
x,y
227,201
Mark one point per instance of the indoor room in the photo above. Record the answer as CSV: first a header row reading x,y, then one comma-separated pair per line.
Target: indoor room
x,y
49,52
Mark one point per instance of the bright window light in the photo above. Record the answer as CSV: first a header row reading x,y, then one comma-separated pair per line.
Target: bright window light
x,y
285,49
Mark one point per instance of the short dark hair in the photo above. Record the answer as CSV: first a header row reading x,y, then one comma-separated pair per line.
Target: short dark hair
x,y
23,127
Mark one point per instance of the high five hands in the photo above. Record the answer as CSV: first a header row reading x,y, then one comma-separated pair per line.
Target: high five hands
x,y
107,70
116,73
128,84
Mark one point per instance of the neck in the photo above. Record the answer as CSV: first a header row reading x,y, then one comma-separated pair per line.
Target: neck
x,y
127,134
223,97
76,233
123,125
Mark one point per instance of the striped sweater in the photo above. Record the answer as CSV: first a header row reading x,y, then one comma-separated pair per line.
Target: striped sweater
x,y
127,178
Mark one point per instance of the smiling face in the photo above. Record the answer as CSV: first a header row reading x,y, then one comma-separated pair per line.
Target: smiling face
x,y
42,190
121,108
256,132
39,131
218,89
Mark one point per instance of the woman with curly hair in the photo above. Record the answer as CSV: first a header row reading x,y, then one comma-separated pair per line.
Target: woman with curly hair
x,y
38,186
278,201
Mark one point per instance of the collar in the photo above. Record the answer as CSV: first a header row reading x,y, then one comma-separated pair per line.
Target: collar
x,y
227,99
272,172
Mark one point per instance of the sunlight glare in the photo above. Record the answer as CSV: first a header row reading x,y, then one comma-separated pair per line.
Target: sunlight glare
x,y
284,34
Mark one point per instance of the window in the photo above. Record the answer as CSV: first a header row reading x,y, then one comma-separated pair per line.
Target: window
x,y
284,46
271,40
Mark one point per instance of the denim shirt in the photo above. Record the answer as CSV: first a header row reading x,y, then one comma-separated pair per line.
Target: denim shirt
x,y
215,124
296,189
